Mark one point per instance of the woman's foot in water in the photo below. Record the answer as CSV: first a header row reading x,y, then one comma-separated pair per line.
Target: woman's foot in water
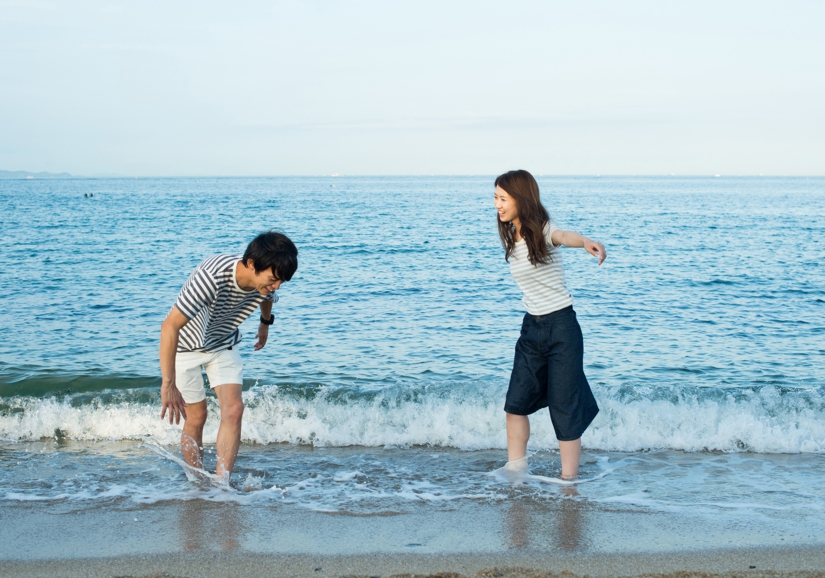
x,y
519,466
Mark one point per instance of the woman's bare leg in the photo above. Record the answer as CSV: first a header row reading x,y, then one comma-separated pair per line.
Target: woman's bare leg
x,y
570,454
518,434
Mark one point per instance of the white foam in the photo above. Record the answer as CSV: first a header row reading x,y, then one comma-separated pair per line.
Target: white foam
x,y
464,416
42,418
518,472
346,476
192,473
766,420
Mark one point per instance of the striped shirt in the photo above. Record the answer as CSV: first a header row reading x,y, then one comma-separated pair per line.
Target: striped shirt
x,y
543,286
215,305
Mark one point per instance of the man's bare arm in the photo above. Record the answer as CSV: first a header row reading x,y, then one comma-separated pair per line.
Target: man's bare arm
x,y
263,330
171,398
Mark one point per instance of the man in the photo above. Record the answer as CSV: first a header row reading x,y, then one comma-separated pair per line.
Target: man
x,y
201,331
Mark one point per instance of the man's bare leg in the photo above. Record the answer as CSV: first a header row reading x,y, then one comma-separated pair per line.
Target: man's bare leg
x,y
191,438
229,433
518,434
570,454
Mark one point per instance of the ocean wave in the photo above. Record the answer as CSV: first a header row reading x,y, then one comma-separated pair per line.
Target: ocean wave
x,y
16,381
465,415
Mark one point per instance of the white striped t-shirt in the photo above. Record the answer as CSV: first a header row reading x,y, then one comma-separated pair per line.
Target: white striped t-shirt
x,y
543,285
215,305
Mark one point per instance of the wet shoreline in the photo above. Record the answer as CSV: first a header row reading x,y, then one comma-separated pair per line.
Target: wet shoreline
x,y
508,533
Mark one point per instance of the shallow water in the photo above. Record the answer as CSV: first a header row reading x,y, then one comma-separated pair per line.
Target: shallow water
x,y
355,500
383,381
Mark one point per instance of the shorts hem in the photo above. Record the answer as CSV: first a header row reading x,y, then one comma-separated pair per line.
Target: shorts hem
x,y
520,411
566,439
196,401
226,383
587,423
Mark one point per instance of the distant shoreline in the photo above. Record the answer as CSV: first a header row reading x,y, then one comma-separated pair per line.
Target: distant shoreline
x,y
33,175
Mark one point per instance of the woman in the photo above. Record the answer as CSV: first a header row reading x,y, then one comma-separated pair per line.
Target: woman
x,y
547,370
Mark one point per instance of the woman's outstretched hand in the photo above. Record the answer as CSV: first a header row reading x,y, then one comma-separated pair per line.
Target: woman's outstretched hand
x,y
573,239
596,249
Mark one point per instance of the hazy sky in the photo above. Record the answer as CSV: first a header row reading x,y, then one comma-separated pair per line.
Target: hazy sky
x,y
392,87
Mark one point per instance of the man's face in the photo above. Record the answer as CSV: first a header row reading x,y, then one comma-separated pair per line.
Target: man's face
x,y
267,281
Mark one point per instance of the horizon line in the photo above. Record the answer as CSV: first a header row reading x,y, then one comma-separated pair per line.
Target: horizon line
x,y
45,175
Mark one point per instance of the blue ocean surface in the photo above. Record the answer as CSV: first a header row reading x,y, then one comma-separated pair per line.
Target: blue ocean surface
x,y
383,381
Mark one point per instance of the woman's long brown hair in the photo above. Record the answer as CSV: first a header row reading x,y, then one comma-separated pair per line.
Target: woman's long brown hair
x,y
531,214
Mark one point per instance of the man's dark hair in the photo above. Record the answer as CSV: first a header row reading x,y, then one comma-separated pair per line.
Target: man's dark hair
x,y
273,250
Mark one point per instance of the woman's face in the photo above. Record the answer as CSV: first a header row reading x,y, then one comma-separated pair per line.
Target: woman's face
x,y
506,206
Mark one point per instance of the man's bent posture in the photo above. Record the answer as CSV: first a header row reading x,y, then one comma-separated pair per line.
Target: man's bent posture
x,y
201,331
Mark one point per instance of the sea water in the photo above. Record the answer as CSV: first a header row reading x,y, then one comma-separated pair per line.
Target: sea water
x,y
382,383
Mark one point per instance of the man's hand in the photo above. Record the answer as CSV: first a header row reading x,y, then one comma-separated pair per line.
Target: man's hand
x,y
596,249
262,335
169,392
173,401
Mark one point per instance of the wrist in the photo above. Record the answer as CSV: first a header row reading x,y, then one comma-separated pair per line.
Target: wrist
x,y
267,322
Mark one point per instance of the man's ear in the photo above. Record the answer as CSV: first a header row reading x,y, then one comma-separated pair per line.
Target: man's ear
x,y
250,264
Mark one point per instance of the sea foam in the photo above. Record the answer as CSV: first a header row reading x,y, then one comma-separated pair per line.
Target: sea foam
x,y
468,416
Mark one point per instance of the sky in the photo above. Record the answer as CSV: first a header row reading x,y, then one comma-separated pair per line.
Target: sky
x,y
367,87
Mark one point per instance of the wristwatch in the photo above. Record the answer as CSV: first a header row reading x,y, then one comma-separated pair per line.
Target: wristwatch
x,y
271,319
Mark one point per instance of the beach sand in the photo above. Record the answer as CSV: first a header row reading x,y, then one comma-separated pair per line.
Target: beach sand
x,y
790,562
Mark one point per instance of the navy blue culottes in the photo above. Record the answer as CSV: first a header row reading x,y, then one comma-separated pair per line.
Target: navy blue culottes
x,y
548,372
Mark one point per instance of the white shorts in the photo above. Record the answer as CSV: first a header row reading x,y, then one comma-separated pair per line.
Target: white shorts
x,y
222,367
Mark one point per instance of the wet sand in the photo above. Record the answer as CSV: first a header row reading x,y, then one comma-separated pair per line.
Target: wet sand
x,y
509,538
